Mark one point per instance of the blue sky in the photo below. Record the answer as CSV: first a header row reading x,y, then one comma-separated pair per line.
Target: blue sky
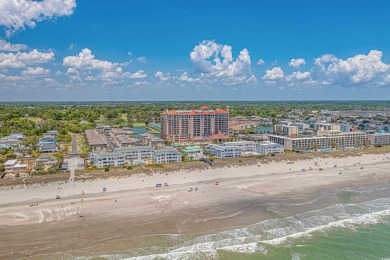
x,y
204,50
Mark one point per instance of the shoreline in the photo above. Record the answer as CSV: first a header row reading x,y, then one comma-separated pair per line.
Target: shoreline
x,y
133,208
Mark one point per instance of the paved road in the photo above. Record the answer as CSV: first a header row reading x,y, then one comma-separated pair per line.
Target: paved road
x,y
74,144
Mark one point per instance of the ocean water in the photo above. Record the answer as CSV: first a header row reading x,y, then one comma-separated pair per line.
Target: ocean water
x,y
342,231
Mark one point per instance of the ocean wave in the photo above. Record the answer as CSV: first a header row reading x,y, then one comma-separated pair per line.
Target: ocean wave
x,y
256,237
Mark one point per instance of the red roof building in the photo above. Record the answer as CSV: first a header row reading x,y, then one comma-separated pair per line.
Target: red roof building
x,y
187,125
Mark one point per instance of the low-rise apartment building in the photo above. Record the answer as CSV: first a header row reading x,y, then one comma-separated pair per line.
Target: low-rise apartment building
x,y
95,140
379,138
166,155
246,146
193,151
268,147
136,153
324,139
223,151
102,159
152,140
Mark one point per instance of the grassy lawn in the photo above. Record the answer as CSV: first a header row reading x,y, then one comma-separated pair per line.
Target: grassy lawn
x,y
34,119
138,124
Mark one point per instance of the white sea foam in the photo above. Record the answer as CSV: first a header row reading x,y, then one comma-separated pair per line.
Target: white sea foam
x,y
274,231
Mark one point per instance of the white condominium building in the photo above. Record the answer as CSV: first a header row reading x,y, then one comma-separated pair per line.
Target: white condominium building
x,y
268,147
286,130
166,155
136,153
103,159
324,139
247,146
223,151
323,126
379,138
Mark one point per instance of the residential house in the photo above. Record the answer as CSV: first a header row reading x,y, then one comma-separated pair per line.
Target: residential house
x,y
14,166
48,144
17,135
47,160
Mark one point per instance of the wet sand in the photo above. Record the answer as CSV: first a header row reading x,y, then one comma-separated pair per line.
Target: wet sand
x,y
133,208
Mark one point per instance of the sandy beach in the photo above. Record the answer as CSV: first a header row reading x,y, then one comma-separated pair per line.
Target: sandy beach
x,y
34,222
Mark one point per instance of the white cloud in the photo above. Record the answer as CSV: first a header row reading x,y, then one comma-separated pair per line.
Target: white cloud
x,y
130,54
142,59
86,61
71,46
19,14
357,69
72,72
50,80
113,76
35,71
140,74
58,73
22,59
10,77
297,75
186,78
7,46
215,60
326,58
328,70
261,62
163,76
296,63
273,74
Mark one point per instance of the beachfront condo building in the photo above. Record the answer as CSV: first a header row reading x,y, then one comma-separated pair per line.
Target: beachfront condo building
x,y
379,138
166,155
193,151
195,124
101,159
224,151
246,146
286,130
137,153
323,126
323,140
95,140
268,147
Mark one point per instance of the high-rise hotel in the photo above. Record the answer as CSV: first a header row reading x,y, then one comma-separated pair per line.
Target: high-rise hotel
x,y
191,125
